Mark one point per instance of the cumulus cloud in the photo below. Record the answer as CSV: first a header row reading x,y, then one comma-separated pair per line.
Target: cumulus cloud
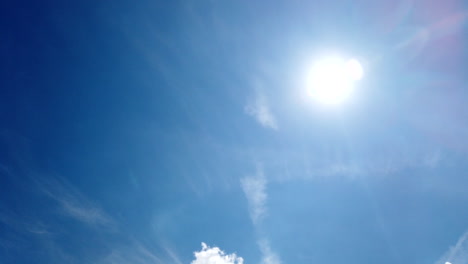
x,y
259,109
457,254
254,188
214,255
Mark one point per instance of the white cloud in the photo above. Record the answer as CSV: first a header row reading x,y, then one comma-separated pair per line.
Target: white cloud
x,y
269,257
457,254
260,110
254,189
214,255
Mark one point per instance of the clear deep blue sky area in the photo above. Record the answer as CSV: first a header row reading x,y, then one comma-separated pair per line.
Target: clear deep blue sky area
x,y
196,132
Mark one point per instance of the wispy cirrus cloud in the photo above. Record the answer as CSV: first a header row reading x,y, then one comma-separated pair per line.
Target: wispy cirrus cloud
x,y
259,108
457,254
135,254
84,212
214,255
73,204
22,224
254,188
172,254
268,256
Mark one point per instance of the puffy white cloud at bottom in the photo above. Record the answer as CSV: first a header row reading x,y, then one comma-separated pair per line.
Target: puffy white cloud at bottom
x,y
214,255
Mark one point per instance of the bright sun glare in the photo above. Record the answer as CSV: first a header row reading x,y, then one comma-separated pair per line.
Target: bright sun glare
x,y
331,80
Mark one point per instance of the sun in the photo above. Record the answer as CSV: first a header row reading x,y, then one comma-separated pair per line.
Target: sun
x,y
331,80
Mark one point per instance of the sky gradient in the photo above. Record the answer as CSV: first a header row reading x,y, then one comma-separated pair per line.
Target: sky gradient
x,y
181,132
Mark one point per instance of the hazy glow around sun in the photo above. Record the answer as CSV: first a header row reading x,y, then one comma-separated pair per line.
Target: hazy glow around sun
x,y
331,79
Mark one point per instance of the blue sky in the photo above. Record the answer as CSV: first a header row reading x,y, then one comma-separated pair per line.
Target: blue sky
x,y
181,132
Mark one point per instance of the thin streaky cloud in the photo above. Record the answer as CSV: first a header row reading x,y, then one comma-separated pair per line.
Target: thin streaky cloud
x,y
22,223
136,254
74,204
457,254
174,257
259,108
268,256
84,213
254,188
